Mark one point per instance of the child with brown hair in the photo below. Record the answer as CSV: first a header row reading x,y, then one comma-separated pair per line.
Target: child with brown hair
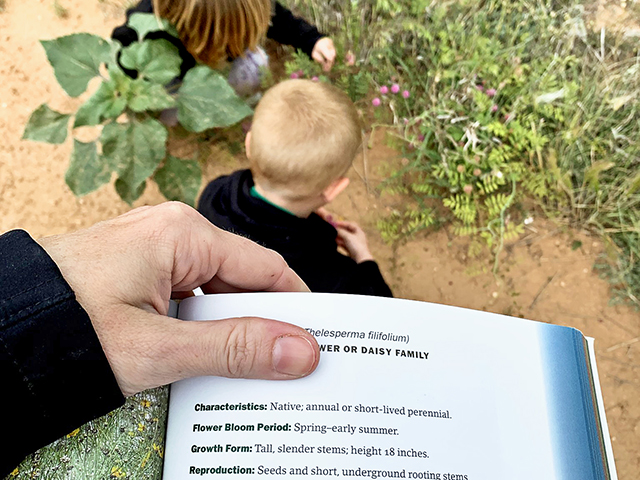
x,y
213,31
303,140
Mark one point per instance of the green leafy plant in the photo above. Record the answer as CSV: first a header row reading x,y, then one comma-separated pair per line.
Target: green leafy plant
x,y
132,140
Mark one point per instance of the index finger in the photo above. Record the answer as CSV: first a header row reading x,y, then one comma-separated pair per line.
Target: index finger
x,y
246,266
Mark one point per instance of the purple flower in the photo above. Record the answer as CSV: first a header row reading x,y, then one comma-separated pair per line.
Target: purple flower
x,y
494,108
480,88
376,102
294,75
384,90
300,73
406,94
421,137
315,79
491,92
395,88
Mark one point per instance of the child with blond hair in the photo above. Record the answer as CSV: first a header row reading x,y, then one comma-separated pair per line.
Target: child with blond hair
x,y
304,137
214,31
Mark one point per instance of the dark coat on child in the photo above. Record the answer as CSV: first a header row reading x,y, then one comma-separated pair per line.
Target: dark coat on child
x,y
285,28
307,244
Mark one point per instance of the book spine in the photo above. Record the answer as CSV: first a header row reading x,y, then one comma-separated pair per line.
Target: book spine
x,y
575,422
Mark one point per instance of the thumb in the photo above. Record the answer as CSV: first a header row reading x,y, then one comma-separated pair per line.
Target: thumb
x,y
247,348
146,350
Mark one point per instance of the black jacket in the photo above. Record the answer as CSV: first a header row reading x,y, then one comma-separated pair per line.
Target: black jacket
x,y
307,244
285,28
54,373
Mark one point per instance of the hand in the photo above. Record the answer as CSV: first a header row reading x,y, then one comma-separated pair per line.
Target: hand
x,y
353,239
124,271
326,215
324,53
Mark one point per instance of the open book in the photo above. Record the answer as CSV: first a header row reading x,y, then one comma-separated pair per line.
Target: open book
x,y
404,389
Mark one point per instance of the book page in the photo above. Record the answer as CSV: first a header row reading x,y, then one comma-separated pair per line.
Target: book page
x,y
404,389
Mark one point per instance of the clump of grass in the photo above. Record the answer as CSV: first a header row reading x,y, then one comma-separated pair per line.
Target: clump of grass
x,y
508,100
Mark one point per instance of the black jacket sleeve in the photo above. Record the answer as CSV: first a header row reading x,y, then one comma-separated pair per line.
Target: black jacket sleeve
x,y
54,373
291,30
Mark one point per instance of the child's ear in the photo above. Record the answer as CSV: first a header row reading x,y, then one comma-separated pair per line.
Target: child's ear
x,y
247,144
335,189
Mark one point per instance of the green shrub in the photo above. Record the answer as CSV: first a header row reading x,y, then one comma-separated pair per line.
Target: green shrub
x,y
507,100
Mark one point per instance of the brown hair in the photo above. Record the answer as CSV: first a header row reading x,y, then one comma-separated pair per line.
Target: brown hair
x,y
304,136
212,30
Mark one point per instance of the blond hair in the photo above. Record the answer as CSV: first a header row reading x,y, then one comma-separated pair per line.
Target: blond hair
x,y
304,136
213,30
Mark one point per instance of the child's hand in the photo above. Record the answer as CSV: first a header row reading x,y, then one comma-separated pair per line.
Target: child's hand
x,y
326,215
353,239
324,53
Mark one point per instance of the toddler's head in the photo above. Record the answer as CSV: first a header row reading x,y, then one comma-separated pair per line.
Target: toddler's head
x,y
304,137
213,30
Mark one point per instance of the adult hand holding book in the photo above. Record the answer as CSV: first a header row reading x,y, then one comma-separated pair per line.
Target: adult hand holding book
x,y
124,272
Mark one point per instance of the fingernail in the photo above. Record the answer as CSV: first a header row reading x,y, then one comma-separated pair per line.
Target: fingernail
x,y
293,355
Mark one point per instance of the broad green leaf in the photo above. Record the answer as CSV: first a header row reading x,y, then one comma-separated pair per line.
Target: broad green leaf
x,y
134,150
76,59
46,125
205,100
87,172
156,60
179,179
105,103
144,23
128,193
145,96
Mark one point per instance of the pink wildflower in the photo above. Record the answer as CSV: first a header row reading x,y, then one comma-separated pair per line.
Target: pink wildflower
x,y
480,88
406,94
294,75
477,172
421,137
491,92
395,88
314,79
350,59
468,189
376,102
494,108
384,90
300,73
460,168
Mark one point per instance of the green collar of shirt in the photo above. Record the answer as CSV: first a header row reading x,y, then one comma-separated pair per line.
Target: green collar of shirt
x,y
254,193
